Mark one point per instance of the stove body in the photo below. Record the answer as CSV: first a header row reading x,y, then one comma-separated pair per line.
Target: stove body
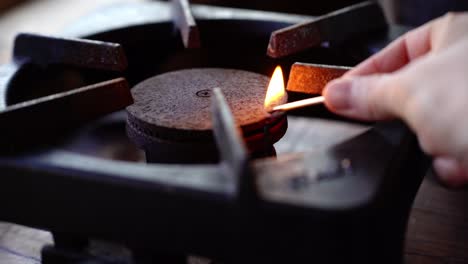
x,y
90,182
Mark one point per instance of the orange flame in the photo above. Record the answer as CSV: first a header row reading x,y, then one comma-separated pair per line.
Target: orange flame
x,y
275,92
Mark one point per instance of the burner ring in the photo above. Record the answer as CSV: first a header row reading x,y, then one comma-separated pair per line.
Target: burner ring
x,y
204,93
175,108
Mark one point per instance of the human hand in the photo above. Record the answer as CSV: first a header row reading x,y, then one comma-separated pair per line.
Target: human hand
x,y
421,78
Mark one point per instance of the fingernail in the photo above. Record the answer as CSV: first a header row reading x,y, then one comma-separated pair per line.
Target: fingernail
x,y
338,94
450,172
445,168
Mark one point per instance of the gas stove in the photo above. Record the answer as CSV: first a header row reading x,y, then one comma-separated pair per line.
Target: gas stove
x,y
185,162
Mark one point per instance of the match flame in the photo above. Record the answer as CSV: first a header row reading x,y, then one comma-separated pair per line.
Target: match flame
x,y
275,92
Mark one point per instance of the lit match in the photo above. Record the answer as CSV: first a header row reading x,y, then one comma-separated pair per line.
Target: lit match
x,y
299,104
304,78
276,92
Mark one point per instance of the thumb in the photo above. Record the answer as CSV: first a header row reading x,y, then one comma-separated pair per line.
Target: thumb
x,y
451,171
374,97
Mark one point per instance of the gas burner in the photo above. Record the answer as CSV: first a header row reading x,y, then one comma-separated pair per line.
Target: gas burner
x,y
171,119
198,77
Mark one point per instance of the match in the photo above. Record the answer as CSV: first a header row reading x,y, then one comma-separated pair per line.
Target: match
x,y
299,104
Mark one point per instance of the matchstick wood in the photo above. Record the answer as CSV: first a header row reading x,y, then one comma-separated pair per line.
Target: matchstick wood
x,y
300,104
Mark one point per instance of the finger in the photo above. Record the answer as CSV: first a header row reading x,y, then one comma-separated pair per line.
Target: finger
x,y
448,30
406,48
450,172
375,97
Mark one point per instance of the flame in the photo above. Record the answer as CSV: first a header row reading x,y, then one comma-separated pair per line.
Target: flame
x,y
275,91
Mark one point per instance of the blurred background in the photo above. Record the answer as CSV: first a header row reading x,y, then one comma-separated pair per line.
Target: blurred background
x,y
49,16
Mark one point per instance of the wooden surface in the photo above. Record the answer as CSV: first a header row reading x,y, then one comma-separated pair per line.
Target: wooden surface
x,y
438,227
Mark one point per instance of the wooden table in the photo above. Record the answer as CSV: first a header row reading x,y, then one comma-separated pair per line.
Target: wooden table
x,y
437,230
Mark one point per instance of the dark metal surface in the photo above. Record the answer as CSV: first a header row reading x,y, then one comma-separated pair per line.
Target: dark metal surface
x,y
183,19
233,152
150,12
291,6
7,72
195,208
91,54
345,176
35,122
334,27
312,78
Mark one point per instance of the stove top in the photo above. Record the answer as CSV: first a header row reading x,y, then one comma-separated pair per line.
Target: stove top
x,y
332,191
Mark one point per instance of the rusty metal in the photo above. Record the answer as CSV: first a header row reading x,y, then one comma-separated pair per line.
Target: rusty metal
x,y
83,53
176,105
172,112
272,129
336,26
312,78
185,22
36,121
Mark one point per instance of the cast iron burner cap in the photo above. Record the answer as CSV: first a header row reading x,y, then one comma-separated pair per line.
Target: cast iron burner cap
x,y
171,116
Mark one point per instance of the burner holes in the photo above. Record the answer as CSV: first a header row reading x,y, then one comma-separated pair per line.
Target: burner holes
x,y
204,93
